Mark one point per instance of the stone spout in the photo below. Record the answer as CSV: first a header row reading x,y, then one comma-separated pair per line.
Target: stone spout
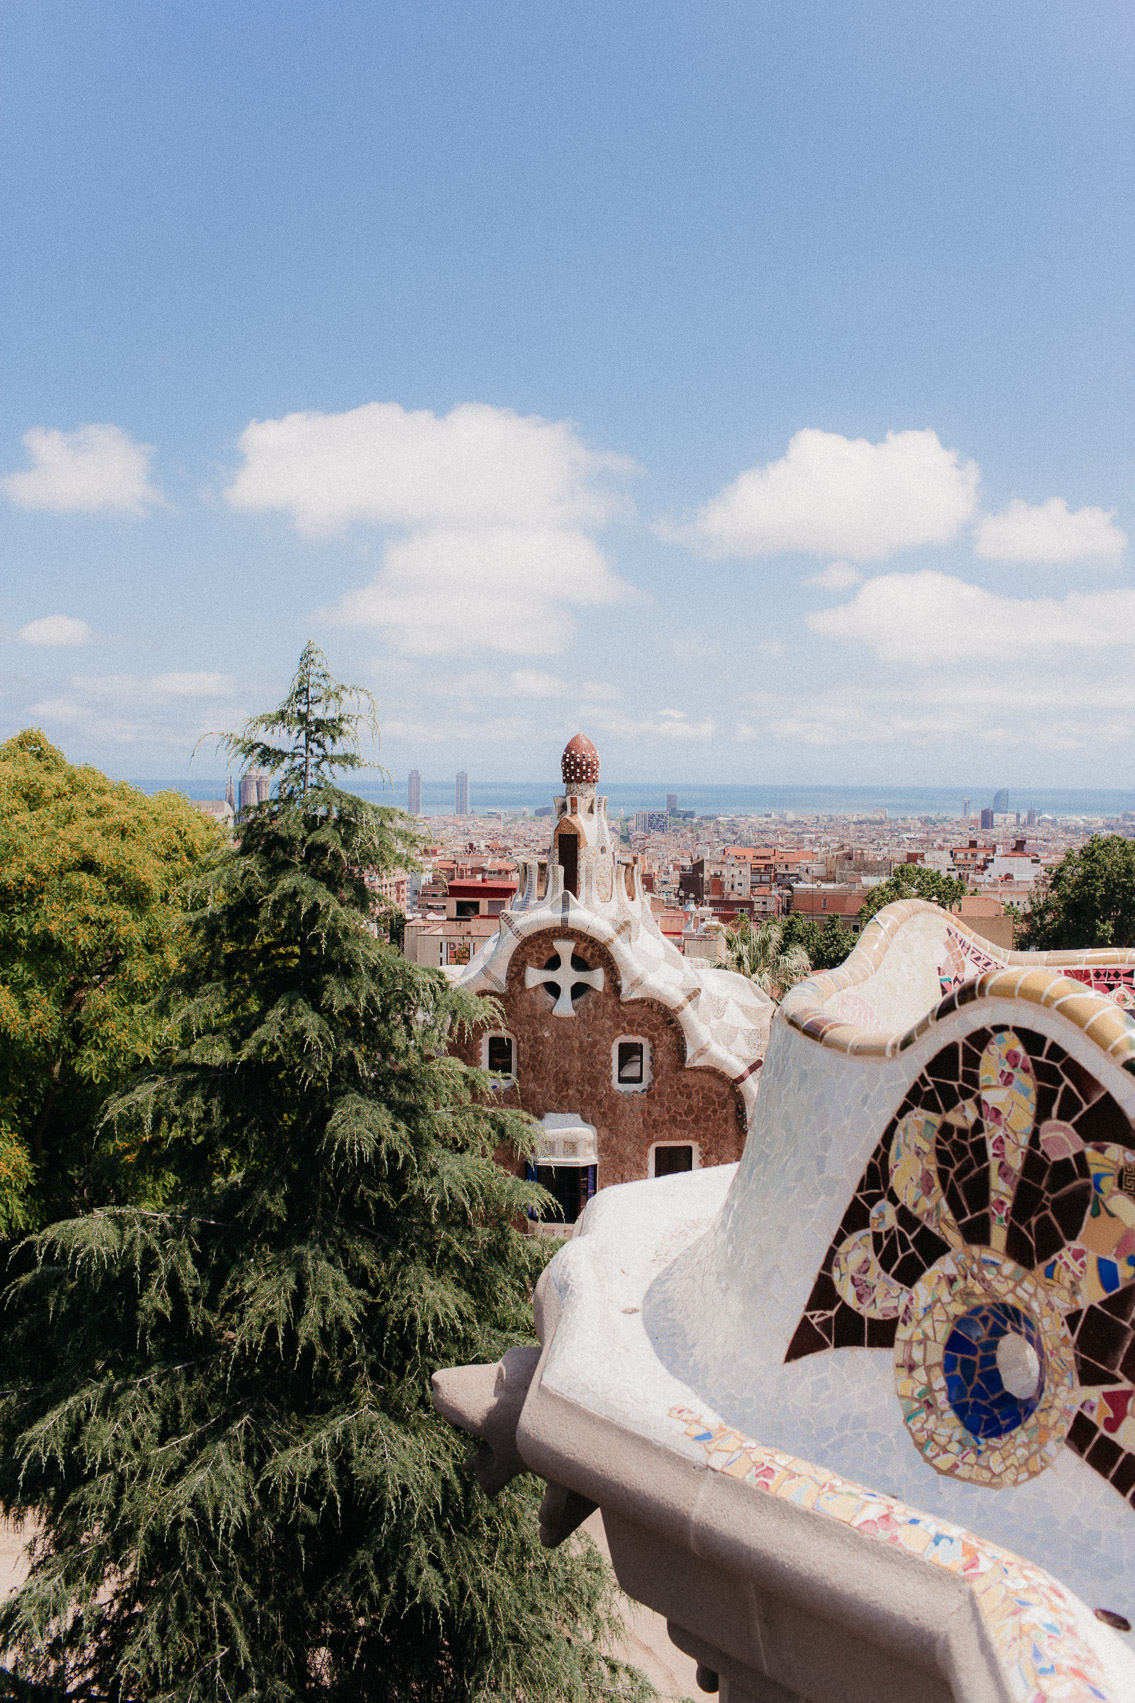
x,y
487,1400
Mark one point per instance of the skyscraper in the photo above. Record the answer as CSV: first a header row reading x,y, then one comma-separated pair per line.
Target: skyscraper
x,y
462,793
414,801
255,788
965,809
1001,801
987,819
671,802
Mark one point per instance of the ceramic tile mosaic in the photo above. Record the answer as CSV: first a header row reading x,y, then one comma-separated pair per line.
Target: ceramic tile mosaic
x,y
1029,1617
990,1244
966,957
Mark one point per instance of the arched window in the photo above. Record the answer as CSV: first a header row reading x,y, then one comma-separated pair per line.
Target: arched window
x,y
567,847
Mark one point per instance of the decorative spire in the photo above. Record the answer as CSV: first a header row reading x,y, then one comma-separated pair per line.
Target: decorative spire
x,y
580,762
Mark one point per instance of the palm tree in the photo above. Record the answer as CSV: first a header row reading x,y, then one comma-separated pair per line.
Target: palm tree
x,y
760,954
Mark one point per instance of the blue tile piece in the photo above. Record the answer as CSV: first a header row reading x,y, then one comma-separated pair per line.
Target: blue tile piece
x,y
974,1387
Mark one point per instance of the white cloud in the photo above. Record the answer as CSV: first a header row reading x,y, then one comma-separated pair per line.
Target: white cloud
x,y
133,709
934,618
989,711
56,630
97,468
530,683
476,466
497,511
154,688
840,576
662,724
453,590
694,647
837,496
1051,533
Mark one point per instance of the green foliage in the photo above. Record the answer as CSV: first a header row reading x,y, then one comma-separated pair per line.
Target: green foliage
x,y
763,955
319,723
89,914
220,1410
827,944
913,881
1090,900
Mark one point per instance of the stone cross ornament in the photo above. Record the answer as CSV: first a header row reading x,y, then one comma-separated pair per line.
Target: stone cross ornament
x,y
562,977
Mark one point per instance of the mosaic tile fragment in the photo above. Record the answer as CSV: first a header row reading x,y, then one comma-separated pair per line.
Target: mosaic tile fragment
x,y
996,1155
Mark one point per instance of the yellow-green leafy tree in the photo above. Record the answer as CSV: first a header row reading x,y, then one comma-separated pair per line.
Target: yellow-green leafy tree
x,y
89,918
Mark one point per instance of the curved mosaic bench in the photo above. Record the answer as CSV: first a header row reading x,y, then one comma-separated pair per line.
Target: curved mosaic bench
x,y
860,1413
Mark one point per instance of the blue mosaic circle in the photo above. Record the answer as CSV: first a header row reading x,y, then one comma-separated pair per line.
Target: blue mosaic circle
x,y
975,1388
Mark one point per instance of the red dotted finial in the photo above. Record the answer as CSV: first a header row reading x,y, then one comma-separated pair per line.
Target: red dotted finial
x,y
580,762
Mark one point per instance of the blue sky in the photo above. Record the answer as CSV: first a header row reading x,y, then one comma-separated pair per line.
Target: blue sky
x,y
748,384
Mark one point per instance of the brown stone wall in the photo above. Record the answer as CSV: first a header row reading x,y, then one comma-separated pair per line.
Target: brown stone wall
x,y
564,1065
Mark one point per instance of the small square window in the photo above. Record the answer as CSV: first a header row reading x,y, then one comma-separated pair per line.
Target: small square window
x,y
631,1064
672,1160
500,1055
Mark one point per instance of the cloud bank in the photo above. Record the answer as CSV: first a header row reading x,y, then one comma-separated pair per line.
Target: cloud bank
x,y
935,618
497,511
836,496
56,630
1050,533
96,469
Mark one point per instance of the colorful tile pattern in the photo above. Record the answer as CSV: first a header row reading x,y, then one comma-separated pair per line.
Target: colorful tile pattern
x,y
966,958
1029,1617
991,1245
984,1369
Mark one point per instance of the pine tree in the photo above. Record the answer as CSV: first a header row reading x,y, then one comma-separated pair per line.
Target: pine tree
x,y
219,1410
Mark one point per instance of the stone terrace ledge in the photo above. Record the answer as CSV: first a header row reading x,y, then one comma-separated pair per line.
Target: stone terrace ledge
x,y
856,1410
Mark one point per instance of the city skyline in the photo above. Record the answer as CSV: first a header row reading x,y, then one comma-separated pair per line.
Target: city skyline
x,y
771,422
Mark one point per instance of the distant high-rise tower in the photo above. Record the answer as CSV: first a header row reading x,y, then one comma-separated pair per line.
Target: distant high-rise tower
x,y
671,802
1001,801
987,819
1030,820
462,793
965,809
414,802
255,788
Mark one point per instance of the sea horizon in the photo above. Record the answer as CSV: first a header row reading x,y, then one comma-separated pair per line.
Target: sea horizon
x,y
717,799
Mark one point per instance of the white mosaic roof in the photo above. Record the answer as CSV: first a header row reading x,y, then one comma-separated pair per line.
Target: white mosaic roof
x,y
724,1017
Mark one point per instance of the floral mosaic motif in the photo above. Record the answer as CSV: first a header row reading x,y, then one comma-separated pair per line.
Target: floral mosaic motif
x,y
1030,1619
1008,1106
985,1370
990,1245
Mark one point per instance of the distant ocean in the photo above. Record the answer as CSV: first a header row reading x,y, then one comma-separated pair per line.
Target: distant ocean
x,y
437,798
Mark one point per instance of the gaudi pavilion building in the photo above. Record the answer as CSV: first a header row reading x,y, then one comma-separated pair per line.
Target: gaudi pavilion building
x,y
637,1061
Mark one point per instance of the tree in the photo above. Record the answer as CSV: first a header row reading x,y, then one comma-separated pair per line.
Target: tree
x,y
826,944
1090,900
221,1413
89,916
761,954
913,881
